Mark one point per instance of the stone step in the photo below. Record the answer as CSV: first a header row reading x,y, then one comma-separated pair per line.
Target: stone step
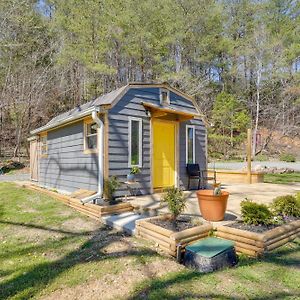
x,y
124,221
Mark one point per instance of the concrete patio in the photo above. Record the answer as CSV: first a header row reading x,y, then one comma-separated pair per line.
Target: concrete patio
x,y
258,192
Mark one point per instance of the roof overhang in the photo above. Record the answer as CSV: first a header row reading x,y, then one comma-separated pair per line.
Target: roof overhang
x,y
162,111
70,119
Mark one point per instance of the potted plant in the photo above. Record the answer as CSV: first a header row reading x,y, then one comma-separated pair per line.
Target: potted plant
x,y
131,176
213,203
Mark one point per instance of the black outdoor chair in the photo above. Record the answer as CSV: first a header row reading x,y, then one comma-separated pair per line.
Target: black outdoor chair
x,y
194,172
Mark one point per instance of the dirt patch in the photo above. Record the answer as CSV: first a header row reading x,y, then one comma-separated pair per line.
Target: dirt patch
x,y
180,224
80,224
35,235
113,286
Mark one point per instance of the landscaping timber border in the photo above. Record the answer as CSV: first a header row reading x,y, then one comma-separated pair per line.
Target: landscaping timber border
x,y
256,244
92,210
233,176
168,240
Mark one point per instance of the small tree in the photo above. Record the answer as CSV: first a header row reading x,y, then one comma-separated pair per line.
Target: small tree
x,y
175,200
230,121
110,186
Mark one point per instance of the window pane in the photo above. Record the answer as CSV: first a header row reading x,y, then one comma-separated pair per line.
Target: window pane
x,y
190,145
92,142
135,142
43,145
91,128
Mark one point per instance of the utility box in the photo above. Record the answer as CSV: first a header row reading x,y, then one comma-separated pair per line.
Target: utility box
x,y
210,254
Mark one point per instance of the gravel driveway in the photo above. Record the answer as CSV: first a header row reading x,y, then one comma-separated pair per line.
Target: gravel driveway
x,y
240,165
15,177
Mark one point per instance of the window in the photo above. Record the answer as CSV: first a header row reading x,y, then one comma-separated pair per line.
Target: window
x,y
90,142
135,142
164,97
190,144
44,144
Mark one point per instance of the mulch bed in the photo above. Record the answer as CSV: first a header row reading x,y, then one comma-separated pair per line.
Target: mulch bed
x,y
180,224
260,228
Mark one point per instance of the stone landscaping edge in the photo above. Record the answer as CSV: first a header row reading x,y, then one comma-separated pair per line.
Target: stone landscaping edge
x,y
168,240
256,244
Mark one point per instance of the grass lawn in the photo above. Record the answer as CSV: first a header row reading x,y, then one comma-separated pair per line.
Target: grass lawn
x,y
49,251
282,178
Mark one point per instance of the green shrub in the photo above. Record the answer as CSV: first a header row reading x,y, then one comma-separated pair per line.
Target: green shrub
x,y
287,205
261,157
288,157
255,213
110,186
175,200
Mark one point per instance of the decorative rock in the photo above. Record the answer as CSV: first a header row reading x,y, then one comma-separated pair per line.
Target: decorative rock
x,y
210,254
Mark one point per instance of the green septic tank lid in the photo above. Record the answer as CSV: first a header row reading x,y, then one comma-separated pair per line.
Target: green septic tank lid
x,y
210,247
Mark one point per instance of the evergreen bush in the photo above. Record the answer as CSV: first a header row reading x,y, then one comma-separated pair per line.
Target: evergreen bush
x,y
287,205
287,157
255,213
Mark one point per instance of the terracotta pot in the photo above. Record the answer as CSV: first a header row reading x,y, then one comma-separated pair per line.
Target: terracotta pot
x,y
212,207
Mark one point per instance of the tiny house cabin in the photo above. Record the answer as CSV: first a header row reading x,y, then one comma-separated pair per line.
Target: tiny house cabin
x,y
155,127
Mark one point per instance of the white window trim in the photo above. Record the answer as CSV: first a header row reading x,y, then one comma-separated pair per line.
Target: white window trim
x,y
130,119
186,142
160,96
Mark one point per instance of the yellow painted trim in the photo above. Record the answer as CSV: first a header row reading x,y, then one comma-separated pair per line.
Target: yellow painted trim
x,y
87,121
41,135
90,151
160,111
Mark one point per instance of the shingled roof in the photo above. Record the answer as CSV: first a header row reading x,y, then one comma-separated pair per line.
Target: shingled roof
x,y
105,99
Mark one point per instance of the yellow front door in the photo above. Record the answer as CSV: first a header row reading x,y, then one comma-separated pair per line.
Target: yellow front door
x,y
163,154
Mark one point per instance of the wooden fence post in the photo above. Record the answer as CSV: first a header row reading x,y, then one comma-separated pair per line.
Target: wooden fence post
x,y
249,142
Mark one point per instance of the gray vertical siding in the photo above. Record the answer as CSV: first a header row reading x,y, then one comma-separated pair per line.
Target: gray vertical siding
x,y
130,106
66,167
200,150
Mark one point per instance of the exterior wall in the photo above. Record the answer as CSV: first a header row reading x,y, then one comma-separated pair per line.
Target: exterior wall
x,y
130,106
66,167
200,150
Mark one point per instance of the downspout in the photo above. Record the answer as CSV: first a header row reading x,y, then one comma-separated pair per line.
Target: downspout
x,y
99,194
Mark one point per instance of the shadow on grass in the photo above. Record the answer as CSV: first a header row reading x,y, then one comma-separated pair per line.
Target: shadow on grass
x,y
157,288
34,226
35,279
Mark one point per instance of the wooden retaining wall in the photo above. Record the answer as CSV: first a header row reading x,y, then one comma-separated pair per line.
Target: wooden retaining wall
x,y
231,176
91,210
255,244
168,240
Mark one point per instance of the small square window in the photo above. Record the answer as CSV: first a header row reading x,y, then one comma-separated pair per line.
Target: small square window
x,y
44,144
90,136
164,97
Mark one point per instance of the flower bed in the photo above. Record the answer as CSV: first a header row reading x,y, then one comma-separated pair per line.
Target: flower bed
x,y
255,244
168,240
